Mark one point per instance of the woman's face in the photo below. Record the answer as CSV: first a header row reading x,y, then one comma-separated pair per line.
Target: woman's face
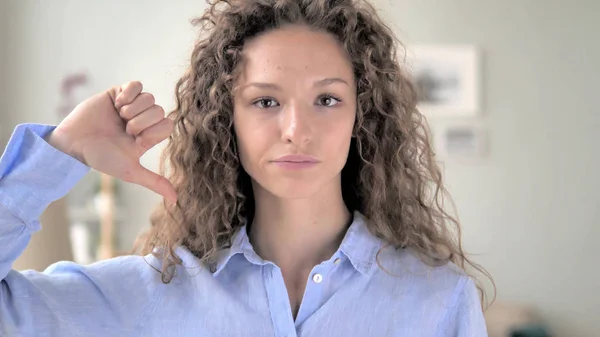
x,y
294,111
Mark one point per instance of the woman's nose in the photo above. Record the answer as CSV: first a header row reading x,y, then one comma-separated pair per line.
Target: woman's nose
x,y
296,124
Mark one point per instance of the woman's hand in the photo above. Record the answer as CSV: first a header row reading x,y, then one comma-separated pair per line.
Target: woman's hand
x,y
110,131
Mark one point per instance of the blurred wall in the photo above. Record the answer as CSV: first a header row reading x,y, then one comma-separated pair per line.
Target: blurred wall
x,y
4,127
530,208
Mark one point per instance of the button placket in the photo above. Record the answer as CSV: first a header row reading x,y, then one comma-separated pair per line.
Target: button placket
x,y
312,298
279,305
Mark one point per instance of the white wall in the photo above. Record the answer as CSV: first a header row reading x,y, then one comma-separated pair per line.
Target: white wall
x,y
530,209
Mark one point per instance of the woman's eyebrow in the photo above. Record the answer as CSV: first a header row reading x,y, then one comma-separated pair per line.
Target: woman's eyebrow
x,y
273,86
261,85
328,81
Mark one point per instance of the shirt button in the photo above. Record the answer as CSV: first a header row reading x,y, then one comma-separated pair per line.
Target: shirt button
x,y
317,278
337,261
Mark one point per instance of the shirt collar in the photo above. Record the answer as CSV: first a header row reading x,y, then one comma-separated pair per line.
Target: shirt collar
x,y
358,245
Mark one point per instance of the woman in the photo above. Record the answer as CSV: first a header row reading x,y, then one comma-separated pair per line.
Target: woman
x,y
301,199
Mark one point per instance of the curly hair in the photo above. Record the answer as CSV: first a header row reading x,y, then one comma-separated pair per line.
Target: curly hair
x,y
391,175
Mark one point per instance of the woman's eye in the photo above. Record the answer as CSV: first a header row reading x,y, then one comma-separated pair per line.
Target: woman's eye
x,y
265,103
328,100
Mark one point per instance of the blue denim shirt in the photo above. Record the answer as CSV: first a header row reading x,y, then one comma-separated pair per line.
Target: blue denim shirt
x,y
351,294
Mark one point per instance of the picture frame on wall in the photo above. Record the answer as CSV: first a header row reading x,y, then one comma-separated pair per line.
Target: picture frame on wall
x,y
460,141
447,79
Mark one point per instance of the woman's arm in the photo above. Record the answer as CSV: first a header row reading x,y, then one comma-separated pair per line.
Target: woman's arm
x,y
104,299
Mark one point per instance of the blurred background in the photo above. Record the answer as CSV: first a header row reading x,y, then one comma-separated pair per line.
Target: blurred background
x,y
516,129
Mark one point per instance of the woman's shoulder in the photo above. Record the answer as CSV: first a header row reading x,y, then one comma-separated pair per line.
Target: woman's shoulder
x,y
149,269
134,271
402,267
139,279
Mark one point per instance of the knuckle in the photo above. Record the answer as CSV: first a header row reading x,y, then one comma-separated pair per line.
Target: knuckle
x,y
128,174
142,143
167,128
158,180
150,98
124,112
132,89
131,128
136,85
158,112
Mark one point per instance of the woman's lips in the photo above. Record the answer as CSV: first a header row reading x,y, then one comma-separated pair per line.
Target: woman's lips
x,y
295,162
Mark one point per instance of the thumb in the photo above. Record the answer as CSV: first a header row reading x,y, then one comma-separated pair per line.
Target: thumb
x,y
154,182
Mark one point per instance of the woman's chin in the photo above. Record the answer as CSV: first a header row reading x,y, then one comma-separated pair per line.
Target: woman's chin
x,y
293,190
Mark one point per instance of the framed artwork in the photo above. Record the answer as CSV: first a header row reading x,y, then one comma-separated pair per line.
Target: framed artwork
x,y
447,79
460,141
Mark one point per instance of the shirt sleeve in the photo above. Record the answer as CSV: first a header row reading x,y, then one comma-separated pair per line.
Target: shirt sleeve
x,y
466,318
108,298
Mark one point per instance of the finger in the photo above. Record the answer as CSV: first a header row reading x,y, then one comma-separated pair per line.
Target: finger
x,y
154,182
144,120
113,93
142,102
129,91
153,135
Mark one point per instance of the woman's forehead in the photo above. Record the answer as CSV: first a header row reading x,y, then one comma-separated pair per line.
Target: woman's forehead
x,y
295,51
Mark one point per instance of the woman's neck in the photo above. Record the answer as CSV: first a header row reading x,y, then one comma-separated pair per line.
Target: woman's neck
x,y
297,234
